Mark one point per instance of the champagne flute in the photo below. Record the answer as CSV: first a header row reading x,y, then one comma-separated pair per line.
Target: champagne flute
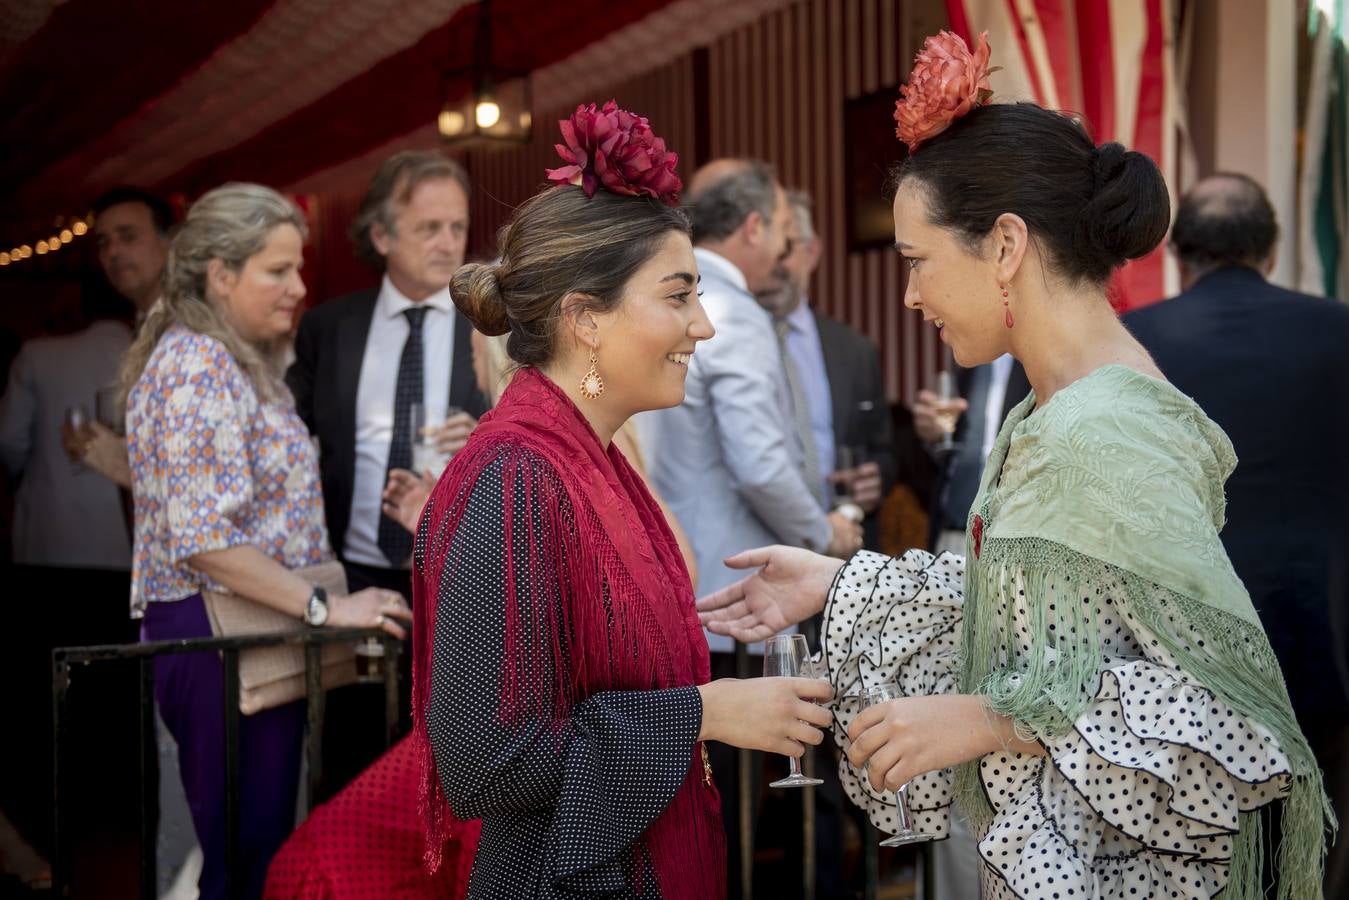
x,y
109,411
874,696
788,654
948,414
425,456
76,418
846,460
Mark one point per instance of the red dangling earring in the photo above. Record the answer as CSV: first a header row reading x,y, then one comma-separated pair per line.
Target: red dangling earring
x,y
1010,322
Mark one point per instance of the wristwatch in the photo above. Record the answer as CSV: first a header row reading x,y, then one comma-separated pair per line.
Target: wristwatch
x,y
316,610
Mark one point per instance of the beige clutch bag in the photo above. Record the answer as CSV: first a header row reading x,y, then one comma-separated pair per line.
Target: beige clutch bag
x,y
271,676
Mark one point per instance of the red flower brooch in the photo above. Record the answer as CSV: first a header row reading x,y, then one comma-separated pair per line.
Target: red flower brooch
x,y
947,81
614,149
977,534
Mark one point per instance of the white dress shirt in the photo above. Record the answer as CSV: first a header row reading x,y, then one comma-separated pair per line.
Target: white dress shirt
x,y
1000,375
374,404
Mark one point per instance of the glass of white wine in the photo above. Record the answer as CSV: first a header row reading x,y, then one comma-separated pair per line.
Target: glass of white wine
x,y
788,654
426,457
874,696
947,410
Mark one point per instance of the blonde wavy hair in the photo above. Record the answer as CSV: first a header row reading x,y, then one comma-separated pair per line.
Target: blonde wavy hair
x,y
230,223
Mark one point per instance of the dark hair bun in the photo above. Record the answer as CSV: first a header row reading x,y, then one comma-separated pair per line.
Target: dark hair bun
x,y
477,292
1127,215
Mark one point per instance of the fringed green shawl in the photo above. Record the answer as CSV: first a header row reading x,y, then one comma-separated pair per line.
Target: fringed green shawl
x,y
1118,480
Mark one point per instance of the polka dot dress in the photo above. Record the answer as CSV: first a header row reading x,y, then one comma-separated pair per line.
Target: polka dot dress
x,y
1139,799
563,800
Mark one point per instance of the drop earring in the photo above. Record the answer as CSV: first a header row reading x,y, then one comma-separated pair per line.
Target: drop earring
x,y
592,385
1005,306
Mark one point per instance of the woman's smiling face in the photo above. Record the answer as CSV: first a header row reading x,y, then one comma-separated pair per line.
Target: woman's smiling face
x,y
647,341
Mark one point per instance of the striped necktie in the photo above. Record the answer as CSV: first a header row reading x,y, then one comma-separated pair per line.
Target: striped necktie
x,y
810,457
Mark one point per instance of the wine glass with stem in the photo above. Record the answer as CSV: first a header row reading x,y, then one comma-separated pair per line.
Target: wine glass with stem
x,y
789,655
948,413
874,696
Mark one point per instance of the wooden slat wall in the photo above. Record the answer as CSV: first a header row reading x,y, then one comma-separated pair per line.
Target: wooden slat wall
x,y
776,92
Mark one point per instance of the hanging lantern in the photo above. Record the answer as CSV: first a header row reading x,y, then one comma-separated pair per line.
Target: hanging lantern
x,y
498,108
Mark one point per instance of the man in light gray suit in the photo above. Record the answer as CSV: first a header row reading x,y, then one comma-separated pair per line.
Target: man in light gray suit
x,y
725,459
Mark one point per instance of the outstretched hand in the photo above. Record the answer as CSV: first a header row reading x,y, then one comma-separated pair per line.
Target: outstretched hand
x,y
790,587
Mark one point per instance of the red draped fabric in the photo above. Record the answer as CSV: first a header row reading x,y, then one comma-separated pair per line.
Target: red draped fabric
x,y
366,843
1107,60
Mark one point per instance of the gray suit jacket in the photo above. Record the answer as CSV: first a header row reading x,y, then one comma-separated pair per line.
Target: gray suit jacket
x,y
722,459
64,514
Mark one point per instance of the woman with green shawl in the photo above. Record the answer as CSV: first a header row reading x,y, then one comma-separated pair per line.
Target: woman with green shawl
x,y
1090,682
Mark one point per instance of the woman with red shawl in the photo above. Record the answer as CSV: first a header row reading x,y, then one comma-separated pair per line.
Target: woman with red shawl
x,y
561,674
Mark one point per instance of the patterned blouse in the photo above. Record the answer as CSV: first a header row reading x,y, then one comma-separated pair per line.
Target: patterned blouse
x,y
214,467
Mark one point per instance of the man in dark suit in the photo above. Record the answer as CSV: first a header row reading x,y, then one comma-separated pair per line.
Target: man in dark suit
x,y
837,372
1271,367
362,361
984,396
366,366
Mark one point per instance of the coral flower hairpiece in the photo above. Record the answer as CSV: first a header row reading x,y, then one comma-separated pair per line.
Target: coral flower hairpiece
x,y
947,81
614,149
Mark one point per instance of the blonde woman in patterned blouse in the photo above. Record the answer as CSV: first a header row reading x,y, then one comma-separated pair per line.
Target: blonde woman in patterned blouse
x,y
227,496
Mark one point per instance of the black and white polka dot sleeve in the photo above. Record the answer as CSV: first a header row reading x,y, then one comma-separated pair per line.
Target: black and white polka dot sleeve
x,y
1144,789
564,793
894,620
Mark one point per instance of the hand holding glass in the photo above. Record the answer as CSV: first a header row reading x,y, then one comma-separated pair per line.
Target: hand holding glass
x,y
789,655
874,696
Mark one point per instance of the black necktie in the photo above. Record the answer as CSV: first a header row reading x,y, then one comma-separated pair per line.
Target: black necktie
x,y
394,540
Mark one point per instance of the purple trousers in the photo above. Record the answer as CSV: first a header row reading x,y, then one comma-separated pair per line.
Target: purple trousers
x,y
190,691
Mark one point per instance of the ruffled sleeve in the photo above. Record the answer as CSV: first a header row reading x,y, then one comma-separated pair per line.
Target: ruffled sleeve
x,y
894,620
1143,784
1142,791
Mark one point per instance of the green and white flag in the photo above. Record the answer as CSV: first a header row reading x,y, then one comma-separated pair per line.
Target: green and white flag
x,y
1323,190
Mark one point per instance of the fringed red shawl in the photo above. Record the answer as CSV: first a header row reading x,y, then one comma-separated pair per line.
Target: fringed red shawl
x,y
602,538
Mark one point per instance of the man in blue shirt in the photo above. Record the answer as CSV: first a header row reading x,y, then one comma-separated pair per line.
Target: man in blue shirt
x,y
844,431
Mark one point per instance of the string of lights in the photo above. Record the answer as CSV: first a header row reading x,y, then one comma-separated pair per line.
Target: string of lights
x,y
67,230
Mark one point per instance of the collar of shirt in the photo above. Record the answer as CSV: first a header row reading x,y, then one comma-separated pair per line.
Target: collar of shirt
x,y
392,302
711,261
801,319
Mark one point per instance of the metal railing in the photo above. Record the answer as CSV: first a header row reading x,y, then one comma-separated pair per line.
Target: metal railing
x,y
871,837
66,659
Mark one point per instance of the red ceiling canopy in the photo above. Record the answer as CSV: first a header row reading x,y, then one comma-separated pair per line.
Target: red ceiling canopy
x,y
182,96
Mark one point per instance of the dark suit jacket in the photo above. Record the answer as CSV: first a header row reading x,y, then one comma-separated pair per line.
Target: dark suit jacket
x,y
1271,367
329,348
1017,388
857,389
